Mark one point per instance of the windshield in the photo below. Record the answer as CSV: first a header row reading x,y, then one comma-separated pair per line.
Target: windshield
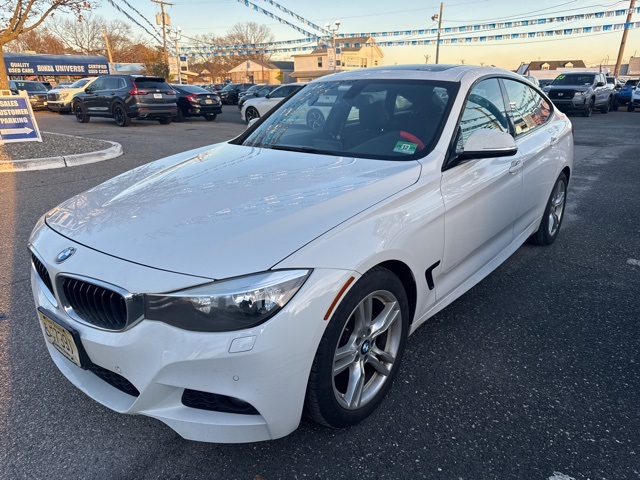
x,y
31,86
229,87
574,79
380,119
80,83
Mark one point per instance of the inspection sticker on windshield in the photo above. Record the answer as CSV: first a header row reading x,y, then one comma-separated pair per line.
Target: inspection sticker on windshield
x,y
405,147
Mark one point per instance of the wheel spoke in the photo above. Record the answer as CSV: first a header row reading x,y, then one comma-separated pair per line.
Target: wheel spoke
x,y
378,365
353,395
344,357
363,316
385,319
382,355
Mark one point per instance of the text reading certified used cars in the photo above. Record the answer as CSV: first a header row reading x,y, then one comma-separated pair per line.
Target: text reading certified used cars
x,y
229,289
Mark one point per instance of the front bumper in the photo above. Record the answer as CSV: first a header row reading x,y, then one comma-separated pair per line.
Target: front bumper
x,y
576,103
58,106
267,366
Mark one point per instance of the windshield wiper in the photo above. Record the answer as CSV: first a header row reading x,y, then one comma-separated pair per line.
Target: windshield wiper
x,y
289,148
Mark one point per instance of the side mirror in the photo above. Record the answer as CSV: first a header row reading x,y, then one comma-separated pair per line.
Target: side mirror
x,y
600,84
488,143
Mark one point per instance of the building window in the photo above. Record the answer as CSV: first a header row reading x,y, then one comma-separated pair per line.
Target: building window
x,y
545,66
319,62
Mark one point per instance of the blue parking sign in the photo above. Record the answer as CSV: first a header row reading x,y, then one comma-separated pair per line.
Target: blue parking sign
x,y
17,122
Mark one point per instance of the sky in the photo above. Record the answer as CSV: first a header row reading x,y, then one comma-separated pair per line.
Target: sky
x,y
198,17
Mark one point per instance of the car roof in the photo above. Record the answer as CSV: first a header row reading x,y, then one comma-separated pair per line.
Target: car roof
x,y
439,72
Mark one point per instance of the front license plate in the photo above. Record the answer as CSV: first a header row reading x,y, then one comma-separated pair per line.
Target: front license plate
x,y
60,338
157,95
208,101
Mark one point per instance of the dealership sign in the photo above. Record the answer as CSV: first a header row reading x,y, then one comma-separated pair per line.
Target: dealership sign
x,y
49,65
17,122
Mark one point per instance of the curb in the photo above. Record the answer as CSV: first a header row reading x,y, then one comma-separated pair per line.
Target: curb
x,y
115,150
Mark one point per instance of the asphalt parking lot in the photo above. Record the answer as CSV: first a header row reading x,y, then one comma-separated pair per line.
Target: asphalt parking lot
x,y
533,374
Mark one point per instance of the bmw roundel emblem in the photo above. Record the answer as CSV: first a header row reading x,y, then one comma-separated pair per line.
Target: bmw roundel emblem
x,y
65,254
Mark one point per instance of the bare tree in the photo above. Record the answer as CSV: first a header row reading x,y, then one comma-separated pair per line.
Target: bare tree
x,y
241,34
87,37
18,17
39,41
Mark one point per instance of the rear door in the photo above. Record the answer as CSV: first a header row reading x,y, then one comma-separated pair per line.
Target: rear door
x,y
537,138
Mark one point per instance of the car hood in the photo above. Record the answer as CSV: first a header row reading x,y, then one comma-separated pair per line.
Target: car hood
x,y
226,210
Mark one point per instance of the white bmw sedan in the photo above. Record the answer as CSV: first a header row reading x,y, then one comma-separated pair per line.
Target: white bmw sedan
x,y
228,290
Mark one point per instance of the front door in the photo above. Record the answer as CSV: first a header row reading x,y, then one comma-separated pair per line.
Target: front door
x,y
481,197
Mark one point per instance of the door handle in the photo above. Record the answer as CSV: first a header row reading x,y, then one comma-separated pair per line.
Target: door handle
x,y
554,141
515,166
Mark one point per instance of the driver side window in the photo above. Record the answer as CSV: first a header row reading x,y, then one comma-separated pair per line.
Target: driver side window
x,y
485,108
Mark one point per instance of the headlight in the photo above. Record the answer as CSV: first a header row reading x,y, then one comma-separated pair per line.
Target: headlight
x,y
582,93
227,305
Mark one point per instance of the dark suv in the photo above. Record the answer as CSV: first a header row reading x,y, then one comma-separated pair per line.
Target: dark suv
x,y
123,97
36,91
229,93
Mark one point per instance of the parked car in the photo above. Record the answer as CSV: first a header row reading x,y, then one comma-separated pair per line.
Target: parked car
x,y
252,89
229,93
59,99
213,87
63,85
36,91
634,102
123,97
258,106
194,101
582,92
532,79
623,96
263,91
545,81
227,289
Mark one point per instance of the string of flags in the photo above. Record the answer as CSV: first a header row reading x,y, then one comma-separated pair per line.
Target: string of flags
x,y
117,7
257,49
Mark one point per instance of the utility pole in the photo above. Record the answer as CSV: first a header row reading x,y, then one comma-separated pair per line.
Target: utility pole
x,y
176,35
333,31
164,22
624,38
439,17
106,41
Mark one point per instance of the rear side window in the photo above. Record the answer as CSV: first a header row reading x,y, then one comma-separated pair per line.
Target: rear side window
x,y
114,83
528,108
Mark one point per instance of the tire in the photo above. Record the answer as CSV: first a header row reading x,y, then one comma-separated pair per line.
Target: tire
x,y
606,107
553,214
614,105
364,342
630,108
165,120
250,114
211,117
589,109
80,112
120,116
315,119
179,116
